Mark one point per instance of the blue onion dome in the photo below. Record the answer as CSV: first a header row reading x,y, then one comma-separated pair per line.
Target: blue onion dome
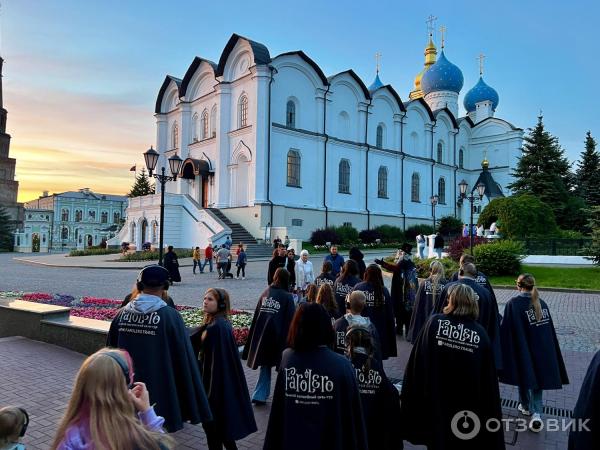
x,y
480,93
442,76
376,84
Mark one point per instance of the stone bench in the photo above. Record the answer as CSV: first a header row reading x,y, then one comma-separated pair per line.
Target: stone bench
x,y
52,324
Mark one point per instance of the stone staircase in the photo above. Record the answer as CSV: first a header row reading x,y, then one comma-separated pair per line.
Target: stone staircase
x,y
240,234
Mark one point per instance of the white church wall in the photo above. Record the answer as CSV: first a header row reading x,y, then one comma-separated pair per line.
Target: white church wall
x,y
414,130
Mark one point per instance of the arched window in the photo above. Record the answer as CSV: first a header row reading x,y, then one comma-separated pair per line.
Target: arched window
x,y
414,187
213,121
104,217
154,232
382,175
64,234
440,152
116,217
195,128
204,133
290,114
293,168
243,111
175,136
64,215
344,176
461,159
92,215
379,141
442,191
78,215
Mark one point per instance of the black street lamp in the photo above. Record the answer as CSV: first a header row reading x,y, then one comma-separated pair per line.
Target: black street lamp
x,y
463,186
434,200
151,158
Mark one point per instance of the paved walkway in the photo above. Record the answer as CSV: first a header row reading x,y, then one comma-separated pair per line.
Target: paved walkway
x,y
40,376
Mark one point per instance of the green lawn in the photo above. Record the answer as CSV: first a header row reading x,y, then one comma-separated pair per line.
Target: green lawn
x,y
560,277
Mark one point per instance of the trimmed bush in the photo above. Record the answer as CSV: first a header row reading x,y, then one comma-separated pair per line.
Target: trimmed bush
x,y
94,251
450,266
390,233
347,234
369,236
422,228
153,255
449,225
499,258
323,235
461,245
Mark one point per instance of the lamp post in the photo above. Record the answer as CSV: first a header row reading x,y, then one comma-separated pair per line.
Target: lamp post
x,y
434,200
463,186
151,159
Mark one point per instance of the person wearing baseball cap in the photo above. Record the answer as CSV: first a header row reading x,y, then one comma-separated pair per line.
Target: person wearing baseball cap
x,y
157,340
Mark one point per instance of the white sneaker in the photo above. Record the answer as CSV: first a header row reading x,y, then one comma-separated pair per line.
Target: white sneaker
x,y
243,278
237,278
523,410
536,423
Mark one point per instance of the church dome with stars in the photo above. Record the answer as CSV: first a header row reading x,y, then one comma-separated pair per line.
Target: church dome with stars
x,y
442,76
480,93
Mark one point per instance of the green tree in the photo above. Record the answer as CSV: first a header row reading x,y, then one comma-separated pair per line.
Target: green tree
x,y
6,229
593,251
588,173
544,171
520,216
141,186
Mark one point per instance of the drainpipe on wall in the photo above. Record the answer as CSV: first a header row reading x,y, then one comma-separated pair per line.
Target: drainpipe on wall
x,y
402,173
432,159
325,156
454,183
272,69
367,168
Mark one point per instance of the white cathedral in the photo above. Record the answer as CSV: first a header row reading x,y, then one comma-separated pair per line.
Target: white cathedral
x,y
273,146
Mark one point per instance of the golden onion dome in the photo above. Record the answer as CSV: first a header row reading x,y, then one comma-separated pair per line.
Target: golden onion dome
x,y
430,58
485,163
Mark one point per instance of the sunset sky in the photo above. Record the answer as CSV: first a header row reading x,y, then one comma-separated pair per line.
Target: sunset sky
x,y
81,77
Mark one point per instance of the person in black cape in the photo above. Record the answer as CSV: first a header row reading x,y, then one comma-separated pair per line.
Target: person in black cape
x,y
268,332
223,375
450,371
316,404
403,290
278,260
158,342
379,309
481,278
326,276
532,356
489,317
171,263
357,256
588,409
429,291
344,284
379,398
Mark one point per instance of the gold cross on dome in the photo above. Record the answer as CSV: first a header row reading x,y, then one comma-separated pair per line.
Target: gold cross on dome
x,y
431,24
377,61
481,57
443,32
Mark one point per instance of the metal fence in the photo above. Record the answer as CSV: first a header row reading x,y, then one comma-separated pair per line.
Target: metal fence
x,y
561,247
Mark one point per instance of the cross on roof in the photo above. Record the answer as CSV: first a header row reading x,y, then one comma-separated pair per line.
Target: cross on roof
x,y
377,61
431,24
481,57
443,31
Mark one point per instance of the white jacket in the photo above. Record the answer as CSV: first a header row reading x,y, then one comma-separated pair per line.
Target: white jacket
x,y
304,273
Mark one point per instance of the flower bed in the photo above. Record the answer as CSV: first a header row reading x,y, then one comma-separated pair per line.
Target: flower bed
x,y
107,308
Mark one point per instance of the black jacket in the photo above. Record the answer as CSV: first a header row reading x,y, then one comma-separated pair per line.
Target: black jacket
x,y
275,263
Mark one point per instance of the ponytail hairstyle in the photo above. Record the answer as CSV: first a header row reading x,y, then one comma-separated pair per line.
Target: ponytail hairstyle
x,y
527,283
437,274
360,341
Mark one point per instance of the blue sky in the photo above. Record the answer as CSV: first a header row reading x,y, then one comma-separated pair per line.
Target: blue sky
x,y
81,77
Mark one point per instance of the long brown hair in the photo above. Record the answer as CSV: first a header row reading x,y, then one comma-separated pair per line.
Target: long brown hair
x,y
360,337
437,274
374,276
311,293
100,397
326,299
462,302
219,294
527,283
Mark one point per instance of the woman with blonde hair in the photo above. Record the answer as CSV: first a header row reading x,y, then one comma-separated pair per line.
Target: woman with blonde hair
x,y
108,411
451,371
326,299
532,357
427,295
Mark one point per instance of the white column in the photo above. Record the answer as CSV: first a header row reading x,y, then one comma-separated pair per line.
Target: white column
x,y
262,126
225,106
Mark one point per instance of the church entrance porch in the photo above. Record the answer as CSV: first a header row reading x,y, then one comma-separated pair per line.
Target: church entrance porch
x,y
197,173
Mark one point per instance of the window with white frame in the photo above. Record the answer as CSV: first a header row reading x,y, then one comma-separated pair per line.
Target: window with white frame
x,y
382,179
293,168
175,136
461,159
195,128
116,217
104,217
379,140
204,122
243,111
213,121
290,114
414,187
344,176
64,215
78,215
64,234
442,191
440,152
